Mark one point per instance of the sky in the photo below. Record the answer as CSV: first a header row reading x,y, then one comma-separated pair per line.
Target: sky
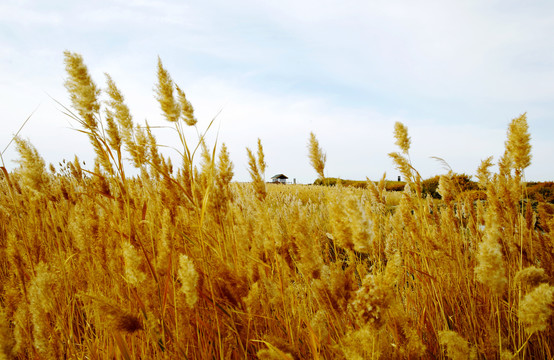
x,y
454,72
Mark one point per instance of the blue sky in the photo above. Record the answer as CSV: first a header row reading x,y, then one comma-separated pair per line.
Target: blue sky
x,y
454,72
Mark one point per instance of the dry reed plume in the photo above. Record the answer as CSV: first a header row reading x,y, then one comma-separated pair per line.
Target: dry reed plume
x,y
180,262
317,156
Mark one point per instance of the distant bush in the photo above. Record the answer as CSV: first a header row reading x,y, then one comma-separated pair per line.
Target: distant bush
x,y
465,183
389,185
327,181
430,186
541,191
462,183
335,181
355,183
395,185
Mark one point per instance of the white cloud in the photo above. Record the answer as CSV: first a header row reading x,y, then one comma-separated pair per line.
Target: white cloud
x,y
23,13
454,72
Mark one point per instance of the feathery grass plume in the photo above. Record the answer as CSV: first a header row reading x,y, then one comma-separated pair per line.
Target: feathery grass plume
x,y
413,345
401,135
206,176
139,148
75,168
377,191
84,98
361,344
7,341
255,174
255,301
317,156
372,301
222,191
457,348
340,226
531,276
446,188
349,223
118,110
42,295
32,166
23,329
99,183
376,196
133,275
320,323
403,165
536,308
102,156
206,163
483,172
155,158
188,277
518,143
505,165
490,269
114,138
187,111
395,269
82,226
186,177
82,90
224,167
168,165
261,159
164,94
273,353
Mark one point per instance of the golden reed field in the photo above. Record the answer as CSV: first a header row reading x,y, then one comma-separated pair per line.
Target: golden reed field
x,y
179,262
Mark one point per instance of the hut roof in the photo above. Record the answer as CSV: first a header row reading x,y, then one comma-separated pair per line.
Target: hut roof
x,y
279,176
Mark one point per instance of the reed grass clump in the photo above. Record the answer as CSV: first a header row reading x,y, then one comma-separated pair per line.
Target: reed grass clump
x,y
456,347
256,168
536,308
317,156
179,261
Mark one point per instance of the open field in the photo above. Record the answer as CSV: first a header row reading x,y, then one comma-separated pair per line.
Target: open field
x,y
180,262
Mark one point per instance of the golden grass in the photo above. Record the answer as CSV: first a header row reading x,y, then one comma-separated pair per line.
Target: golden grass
x,y
183,263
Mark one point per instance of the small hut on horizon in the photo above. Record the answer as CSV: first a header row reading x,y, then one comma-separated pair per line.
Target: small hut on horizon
x,y
279,179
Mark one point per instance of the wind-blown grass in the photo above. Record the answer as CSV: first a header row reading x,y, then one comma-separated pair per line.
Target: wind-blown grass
x,y
180,262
